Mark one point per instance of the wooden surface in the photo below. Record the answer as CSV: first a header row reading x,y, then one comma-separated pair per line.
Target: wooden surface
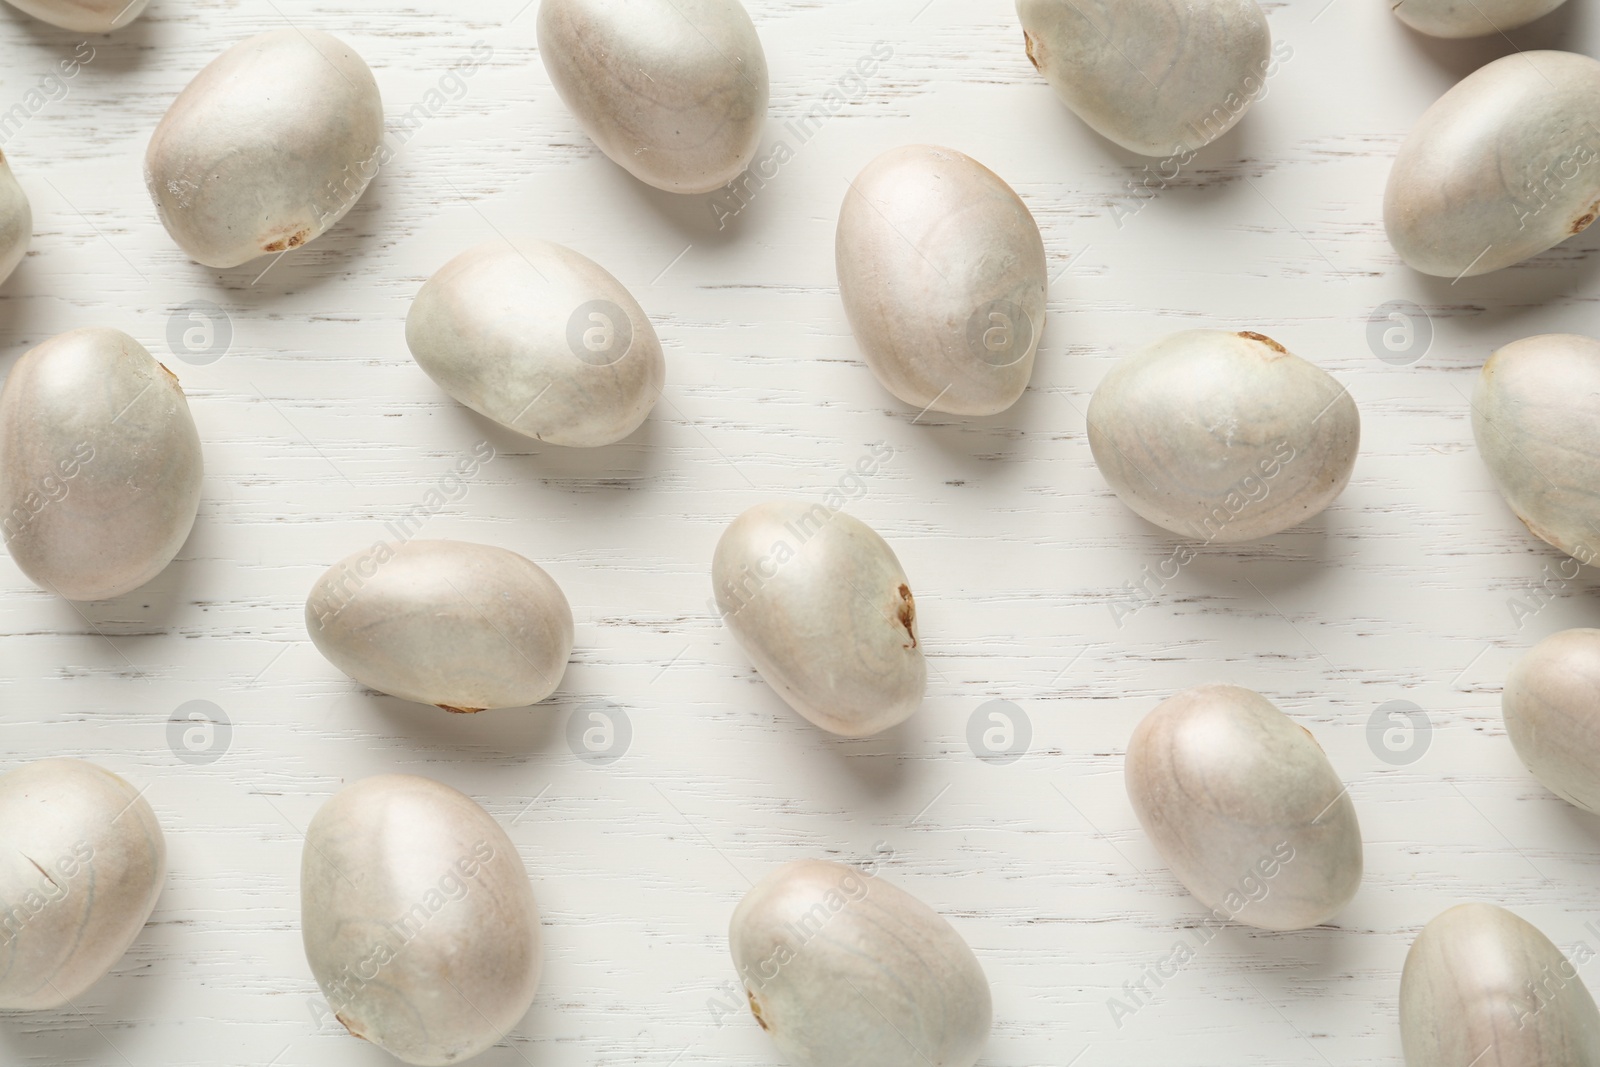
x,y
319,430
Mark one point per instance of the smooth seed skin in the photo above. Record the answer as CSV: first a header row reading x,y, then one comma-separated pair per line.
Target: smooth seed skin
x,y
1551,704
100,465
83,865
540,339
1471,18
1245,808
1500,168
673,91
1223,436
84,16
418,919
266,148
1533,420
463,626
1158,77
16,221
821,606
843,969
1483,986
942,273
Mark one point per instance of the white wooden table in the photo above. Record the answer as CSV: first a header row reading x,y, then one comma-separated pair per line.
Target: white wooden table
x,y
319,430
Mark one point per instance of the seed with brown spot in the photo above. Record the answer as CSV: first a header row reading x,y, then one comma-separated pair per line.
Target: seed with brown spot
x,y
101,388
832,640
1264,339
267,128
1033,48
348,1025
1542,533
892,977
1191,472
908,612
1583,222
1148,73
755,1009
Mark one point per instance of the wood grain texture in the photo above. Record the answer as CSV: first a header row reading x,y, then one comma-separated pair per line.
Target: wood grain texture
x,y
1417,585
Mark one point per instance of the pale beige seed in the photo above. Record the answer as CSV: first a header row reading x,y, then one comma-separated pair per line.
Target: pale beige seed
x,y
459,625
1245,808
1533,420
1481,985
540,339
84,16
1223,437
673,91
418,919
821,606
1471,18
100,465
1551,704
942,273
1158,77
83,864
266,148
16,220
1502,167
843,969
